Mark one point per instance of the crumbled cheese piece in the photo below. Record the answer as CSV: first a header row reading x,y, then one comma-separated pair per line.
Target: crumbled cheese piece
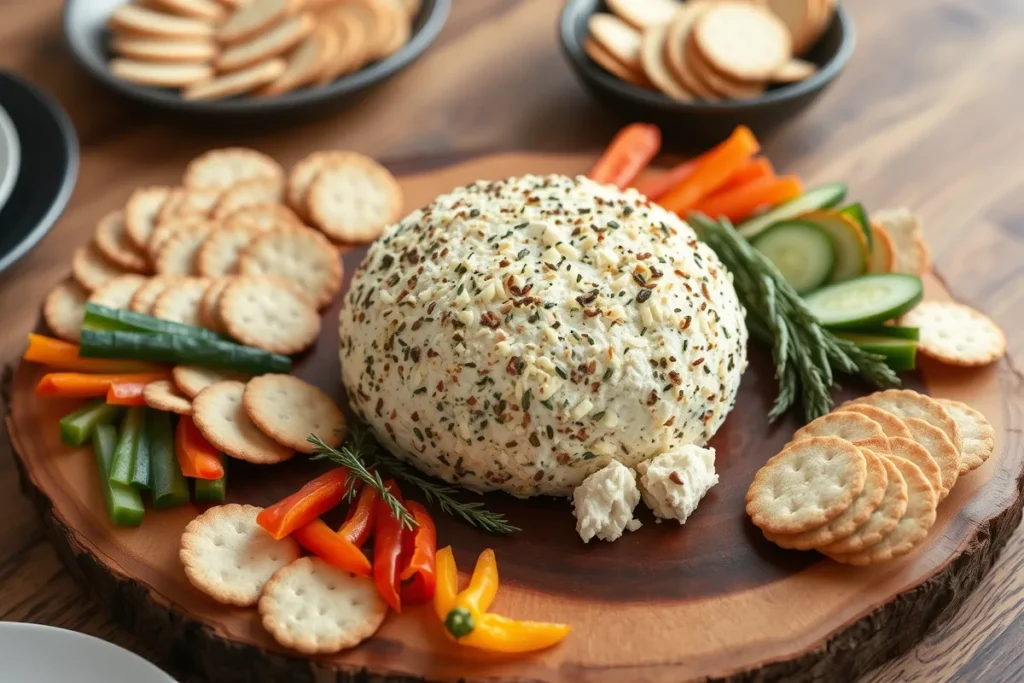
x,y
604,503
568,251
581,409
673,483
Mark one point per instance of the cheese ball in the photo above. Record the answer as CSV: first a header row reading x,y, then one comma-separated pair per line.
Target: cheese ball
x,y
521,334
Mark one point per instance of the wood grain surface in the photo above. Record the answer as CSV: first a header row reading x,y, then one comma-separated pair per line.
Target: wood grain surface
x,y
923,116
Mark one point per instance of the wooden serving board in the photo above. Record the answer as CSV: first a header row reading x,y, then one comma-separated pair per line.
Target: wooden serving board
x,y
712,599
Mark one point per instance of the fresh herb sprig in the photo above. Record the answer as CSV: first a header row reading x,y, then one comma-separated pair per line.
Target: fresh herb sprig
x,y
347,456
806,354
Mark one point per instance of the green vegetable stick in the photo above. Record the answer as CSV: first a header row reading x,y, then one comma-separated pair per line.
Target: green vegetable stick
x,y
99,317
173,348
127,445
212,490
141,479
169,486
124,504
77,428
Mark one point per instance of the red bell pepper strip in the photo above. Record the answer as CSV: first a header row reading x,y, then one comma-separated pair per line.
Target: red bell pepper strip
x,y
387,550
332,547
82,385
755,169
306,504
361,516
629,153
62,355
419,576
197,457
126,394
658,186
717,167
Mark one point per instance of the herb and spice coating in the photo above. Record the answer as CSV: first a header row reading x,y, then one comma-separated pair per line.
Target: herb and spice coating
x,y
521,334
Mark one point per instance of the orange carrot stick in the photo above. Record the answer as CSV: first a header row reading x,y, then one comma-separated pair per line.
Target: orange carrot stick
x,y
80,385
196,456
742,202
720,164
126,394
627,155
657,187
62,355
754,169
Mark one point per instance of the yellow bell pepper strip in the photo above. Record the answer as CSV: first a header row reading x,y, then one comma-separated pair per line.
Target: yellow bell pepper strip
x,y
466,620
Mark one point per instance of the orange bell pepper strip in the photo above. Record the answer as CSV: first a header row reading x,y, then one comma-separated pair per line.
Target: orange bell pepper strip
x,y
308,503
196,456
332,548
755,169
387,550
418,575
718,166
361,517
81,385
62,355
126,394
629,153
657,187
743,202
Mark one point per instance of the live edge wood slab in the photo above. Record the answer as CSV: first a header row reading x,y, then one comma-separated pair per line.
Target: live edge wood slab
x,y
710,600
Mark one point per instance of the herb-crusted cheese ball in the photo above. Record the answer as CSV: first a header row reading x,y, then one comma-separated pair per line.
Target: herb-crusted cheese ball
x,y
522,334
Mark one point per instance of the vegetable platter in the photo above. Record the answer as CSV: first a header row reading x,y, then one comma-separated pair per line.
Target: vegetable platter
x,y
714,599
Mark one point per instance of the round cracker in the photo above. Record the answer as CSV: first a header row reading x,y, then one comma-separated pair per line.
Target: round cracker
x,y
912,528
302,256
905,403
209,308
314,608
621,40
219,414
142,21
851,519
224,168
188,201
91,268
652,58
904,230
371,17
939,447
251,19
64,309
264,217
119,291
919,455
112,240
163,232
848,426
164,395
191,379
675,49
354,200
141,211
882,520
160,75
271,43
288,410
305,171
794,14
398,35
306,62
219,253
979,439
180,302
956,334
177,255
183,51
248,193
892,426
721,85
146,295
794,71
208,10
352,44
808,484
882,258
230,557
606,61
644,14
742,40
269,314
236,82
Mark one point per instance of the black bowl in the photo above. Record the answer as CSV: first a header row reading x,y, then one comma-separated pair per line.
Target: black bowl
x,y
705,122
85,30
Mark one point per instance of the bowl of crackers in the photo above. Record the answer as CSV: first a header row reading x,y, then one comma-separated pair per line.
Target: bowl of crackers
x,y
699,68
248,56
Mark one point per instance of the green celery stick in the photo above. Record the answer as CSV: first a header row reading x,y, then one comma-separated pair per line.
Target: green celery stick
x,y
127,445
124,504
169,485
141,479
213,490
76,428
99,317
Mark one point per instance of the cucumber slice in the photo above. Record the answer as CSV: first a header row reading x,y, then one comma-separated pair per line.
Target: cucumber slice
x,y
860,216
821,197
866,300
899,354
851,246
893,332
802,251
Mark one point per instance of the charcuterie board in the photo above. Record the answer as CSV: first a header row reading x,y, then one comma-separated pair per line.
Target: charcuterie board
x,y
712,599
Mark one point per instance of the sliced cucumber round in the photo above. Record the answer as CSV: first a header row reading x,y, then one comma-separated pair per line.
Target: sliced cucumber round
x,y
851,246
866,300
815,199
802,252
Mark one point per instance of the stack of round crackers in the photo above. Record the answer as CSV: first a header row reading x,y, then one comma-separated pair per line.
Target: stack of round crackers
x,y
862,484
707,49
230,249
212,49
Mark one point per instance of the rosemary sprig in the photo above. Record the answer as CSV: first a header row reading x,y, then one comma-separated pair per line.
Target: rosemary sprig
x,y
347,456
806,354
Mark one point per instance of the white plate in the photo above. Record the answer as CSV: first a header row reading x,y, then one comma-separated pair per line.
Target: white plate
x,y
43,654
10,156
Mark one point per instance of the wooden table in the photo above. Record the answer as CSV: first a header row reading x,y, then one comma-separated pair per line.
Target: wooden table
x,y
924,116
